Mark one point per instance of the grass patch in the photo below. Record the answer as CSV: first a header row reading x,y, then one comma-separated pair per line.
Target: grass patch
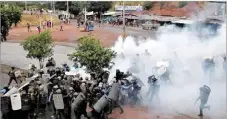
x,y
35,21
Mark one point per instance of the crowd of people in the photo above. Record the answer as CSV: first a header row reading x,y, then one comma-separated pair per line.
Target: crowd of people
x,y
76,92
46,24
66,95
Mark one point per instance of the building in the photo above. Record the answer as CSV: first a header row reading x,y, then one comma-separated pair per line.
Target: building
x,y
128,9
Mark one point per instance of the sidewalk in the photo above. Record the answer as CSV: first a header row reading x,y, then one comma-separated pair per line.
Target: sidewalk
x,y
67,44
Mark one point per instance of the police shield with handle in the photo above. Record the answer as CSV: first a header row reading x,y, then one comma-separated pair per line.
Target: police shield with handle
x,y
113,97
58,102
98,110
204,95
78,106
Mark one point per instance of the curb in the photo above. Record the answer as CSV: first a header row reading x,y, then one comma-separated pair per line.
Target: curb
x,y
67,44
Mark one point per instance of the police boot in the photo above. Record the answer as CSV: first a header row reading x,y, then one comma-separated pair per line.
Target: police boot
x,y
200,113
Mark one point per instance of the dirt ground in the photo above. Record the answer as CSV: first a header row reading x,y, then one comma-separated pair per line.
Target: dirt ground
x,y
70,33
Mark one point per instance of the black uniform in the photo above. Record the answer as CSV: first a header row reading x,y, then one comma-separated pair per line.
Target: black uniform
x,y
12,76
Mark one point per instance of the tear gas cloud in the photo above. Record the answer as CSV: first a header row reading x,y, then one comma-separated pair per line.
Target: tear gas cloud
x,y
185,50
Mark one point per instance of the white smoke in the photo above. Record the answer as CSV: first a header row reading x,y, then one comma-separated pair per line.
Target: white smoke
x,y
186,51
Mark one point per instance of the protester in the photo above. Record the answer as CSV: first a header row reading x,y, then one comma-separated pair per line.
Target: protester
x,y
61,27
44,24
39,29
29,27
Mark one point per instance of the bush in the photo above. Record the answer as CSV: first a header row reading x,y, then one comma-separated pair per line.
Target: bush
x,y
91,54
181,4
39,46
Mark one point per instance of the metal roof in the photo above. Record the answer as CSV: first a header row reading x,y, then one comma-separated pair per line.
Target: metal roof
x,y
184,21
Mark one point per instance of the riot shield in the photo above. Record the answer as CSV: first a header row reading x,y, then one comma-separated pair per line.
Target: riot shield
x,y
58,101
16,101
162,70
5,104
205,93
76,103
114,92
101,104
26,102
12,91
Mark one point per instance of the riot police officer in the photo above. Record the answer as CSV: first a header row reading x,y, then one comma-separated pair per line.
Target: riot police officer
x,y
154,87
135,92
12,76
204,95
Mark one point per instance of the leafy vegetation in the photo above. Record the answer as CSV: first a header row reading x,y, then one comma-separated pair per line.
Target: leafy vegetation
x,y
92,54
182,4
99,7
39,46
147,5
75,7
30,4
10,14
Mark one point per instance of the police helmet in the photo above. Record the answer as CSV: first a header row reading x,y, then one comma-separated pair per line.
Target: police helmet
x,y
58,91
55,87
100,85
75,94
30,90
71,88
41,88
39,82
59,78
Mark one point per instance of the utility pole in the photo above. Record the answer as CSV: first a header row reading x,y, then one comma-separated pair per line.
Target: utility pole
x,y
54,6
51,19
68,11
85,15
124,34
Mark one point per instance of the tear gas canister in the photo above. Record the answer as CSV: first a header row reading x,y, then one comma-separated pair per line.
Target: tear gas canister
x,y
114,92
101,104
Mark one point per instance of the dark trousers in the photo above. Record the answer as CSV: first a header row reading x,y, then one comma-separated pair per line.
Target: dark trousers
x,y
11,79
61,28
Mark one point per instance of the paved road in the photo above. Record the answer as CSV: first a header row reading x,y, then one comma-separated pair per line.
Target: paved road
x,y
131,31
14,55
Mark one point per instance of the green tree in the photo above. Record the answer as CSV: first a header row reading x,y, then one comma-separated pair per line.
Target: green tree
x,y
10,14
75,7
99,7
39,46
92,54
147,5
182,4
